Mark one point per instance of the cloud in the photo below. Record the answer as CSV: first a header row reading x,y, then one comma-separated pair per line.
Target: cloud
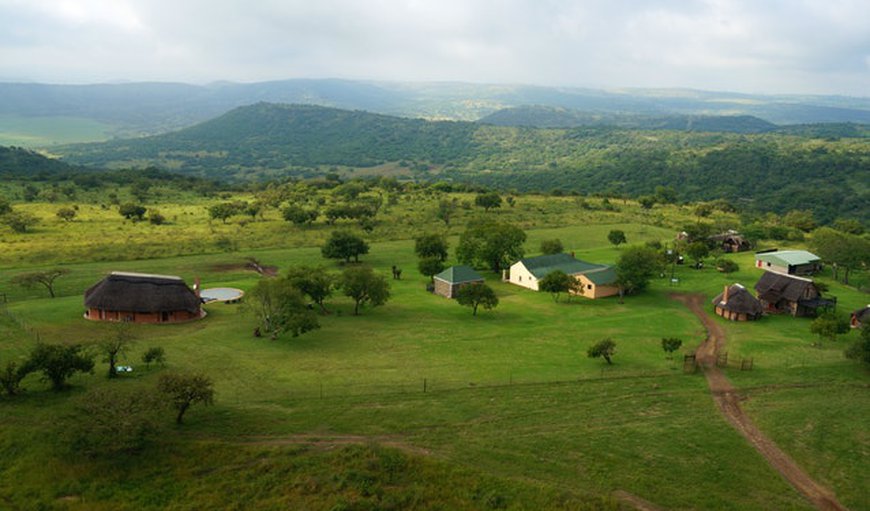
x,y
810,46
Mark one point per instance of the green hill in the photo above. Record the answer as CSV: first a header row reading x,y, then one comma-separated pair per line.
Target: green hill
x,y
768,171
553,117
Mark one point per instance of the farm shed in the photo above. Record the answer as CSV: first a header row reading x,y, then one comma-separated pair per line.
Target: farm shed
x,y
789,262
142,298
731,241
736,303
797,296
596,280
449,281
860,317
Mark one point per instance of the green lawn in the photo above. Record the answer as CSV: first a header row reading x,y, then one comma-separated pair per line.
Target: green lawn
x,y
515,415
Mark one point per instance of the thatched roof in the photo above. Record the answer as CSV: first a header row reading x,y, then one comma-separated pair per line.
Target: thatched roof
x,y
140,292
863,314
776,286
740,300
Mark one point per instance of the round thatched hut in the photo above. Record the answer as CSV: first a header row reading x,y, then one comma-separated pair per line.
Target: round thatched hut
x,y
142,298
737,304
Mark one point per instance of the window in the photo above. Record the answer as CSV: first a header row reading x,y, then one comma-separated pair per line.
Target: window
x,y
588,286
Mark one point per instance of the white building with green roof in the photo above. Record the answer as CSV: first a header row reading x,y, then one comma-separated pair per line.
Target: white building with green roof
x,y
789,262
596,280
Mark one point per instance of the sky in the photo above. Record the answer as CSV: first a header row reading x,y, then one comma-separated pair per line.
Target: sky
x,y
753,46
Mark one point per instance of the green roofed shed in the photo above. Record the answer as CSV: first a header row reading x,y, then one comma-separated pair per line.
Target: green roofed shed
x,y
789,262
448,282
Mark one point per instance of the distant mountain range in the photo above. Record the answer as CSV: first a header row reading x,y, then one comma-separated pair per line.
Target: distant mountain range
x,y
135,109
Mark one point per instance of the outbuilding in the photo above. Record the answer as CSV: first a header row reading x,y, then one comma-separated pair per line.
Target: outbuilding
x,y
142,298
790,294
449,281
737,304
788,262
860,317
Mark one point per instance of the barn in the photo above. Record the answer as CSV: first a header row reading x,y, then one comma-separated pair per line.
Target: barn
x,y
142,298
449,281
736,303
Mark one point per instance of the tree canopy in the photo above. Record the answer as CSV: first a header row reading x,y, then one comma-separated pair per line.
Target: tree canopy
x,y
476,294
491,244
344,245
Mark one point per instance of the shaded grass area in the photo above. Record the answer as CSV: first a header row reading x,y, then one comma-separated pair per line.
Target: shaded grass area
x,y
33,132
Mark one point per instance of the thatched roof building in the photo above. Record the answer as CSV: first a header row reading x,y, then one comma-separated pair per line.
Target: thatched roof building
x,y
142,298
797,296
860,317
737,304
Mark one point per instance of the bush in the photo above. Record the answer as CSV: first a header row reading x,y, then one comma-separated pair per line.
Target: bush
x,y
726,265
155,355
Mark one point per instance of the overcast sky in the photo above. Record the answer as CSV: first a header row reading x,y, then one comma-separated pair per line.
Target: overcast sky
x,y
767,46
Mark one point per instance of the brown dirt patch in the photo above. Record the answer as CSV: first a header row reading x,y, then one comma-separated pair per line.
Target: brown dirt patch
x,y
728,401
250,265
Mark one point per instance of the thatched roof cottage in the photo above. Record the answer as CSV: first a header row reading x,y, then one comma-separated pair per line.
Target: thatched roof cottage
x,y
797,296
860,317
142,298
737,304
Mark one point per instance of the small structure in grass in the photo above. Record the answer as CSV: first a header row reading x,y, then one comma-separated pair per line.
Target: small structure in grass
x,y
450,281
860,317
142,298
737,304
730,241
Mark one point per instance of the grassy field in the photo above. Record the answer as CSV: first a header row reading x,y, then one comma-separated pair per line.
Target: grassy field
x,y
514,415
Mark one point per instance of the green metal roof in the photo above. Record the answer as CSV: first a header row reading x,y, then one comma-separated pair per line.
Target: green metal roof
x,y
540,266
788,257
459,274
602,276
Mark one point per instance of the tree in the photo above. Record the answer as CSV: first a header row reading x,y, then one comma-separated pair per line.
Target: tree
x,y
843,250
344,245
5,206
604,348
697,251
430,266
670,345
132,211
636,265
476,294
860,349
40,278
299,215
155,217
184,390
58,362
488,200
726,265
316,283
703,210
155,354
616,237
364,286
647,201
279,306
223,211
10,378
557,282
431,245
115,345
112,421
19,221
846,225
550,247
829,325
493,244
66,214
800,219
445,210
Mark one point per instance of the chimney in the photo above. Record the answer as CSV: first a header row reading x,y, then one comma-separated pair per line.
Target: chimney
x,y
725,294
196,287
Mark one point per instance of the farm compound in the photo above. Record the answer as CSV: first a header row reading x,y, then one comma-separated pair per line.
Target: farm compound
x,y
142,298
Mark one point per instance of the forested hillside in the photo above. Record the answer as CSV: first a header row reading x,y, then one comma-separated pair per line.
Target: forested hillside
x,y
769,172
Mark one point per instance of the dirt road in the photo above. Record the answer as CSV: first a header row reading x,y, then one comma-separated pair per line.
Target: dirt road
x,y
728,401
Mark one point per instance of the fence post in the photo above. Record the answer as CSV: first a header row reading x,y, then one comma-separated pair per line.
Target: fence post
x,y
424,385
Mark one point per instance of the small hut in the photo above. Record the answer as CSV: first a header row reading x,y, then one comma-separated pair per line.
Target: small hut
x,y
142,298
860,317
449,281
731,241
737,304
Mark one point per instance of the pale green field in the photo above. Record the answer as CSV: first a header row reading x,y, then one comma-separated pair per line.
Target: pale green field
x,y
41,132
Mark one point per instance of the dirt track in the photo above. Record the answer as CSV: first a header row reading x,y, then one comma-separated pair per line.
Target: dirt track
x,y
728,401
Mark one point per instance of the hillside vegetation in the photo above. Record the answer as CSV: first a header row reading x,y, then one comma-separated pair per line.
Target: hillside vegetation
x,y
766,172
